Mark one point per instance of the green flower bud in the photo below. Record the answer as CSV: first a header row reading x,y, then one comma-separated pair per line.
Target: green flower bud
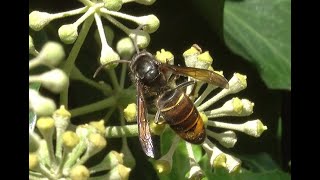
x,y
142,38
34,141
157,129
191,56
55,80
165,57
204,60
111,160
233,164
45,125
254,128
120,172
227,139
145,2
51,54
96,143
113,5
151,23
125,47
79,172
70,139
195,172
68,33
163,166
32,49
37,20
130,112
233,107
99,125
109,55
33,161
42,106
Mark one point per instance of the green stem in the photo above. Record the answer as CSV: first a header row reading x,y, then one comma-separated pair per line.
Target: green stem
x,y
121,15
69,13
114,79
34,62
109,113
72,57
121,131
105,89
123,74
109,102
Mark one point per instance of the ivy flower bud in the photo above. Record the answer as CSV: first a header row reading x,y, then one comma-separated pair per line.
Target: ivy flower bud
x,y
69,140
34,141
111,160
233,164
142,38
113,5
79,172
165,57
164,164
151,23
96,143
55,80
227,139
254,128
46,126
109,55
51,54
145,2
157,129
216,157
233,107
42,106
37,20
99,126
237,83
195,172
68,33
125,47
33,161
204,60
130,112
32,49
119,172
190,56
62,115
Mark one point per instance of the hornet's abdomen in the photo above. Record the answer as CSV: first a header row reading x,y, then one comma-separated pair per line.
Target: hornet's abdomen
x,y
180,113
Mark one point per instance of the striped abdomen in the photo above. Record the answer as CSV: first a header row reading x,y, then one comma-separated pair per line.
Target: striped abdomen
x,y
180,113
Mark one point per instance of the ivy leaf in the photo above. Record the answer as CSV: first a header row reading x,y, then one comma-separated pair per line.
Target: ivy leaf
x,y
269,171
259,31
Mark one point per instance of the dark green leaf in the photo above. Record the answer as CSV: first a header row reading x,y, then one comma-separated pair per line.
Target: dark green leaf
x,y
259,31
259,162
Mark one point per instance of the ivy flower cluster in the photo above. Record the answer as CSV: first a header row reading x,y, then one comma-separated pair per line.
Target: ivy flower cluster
x,y
194,57
72,149
64,155
98,9
55,80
